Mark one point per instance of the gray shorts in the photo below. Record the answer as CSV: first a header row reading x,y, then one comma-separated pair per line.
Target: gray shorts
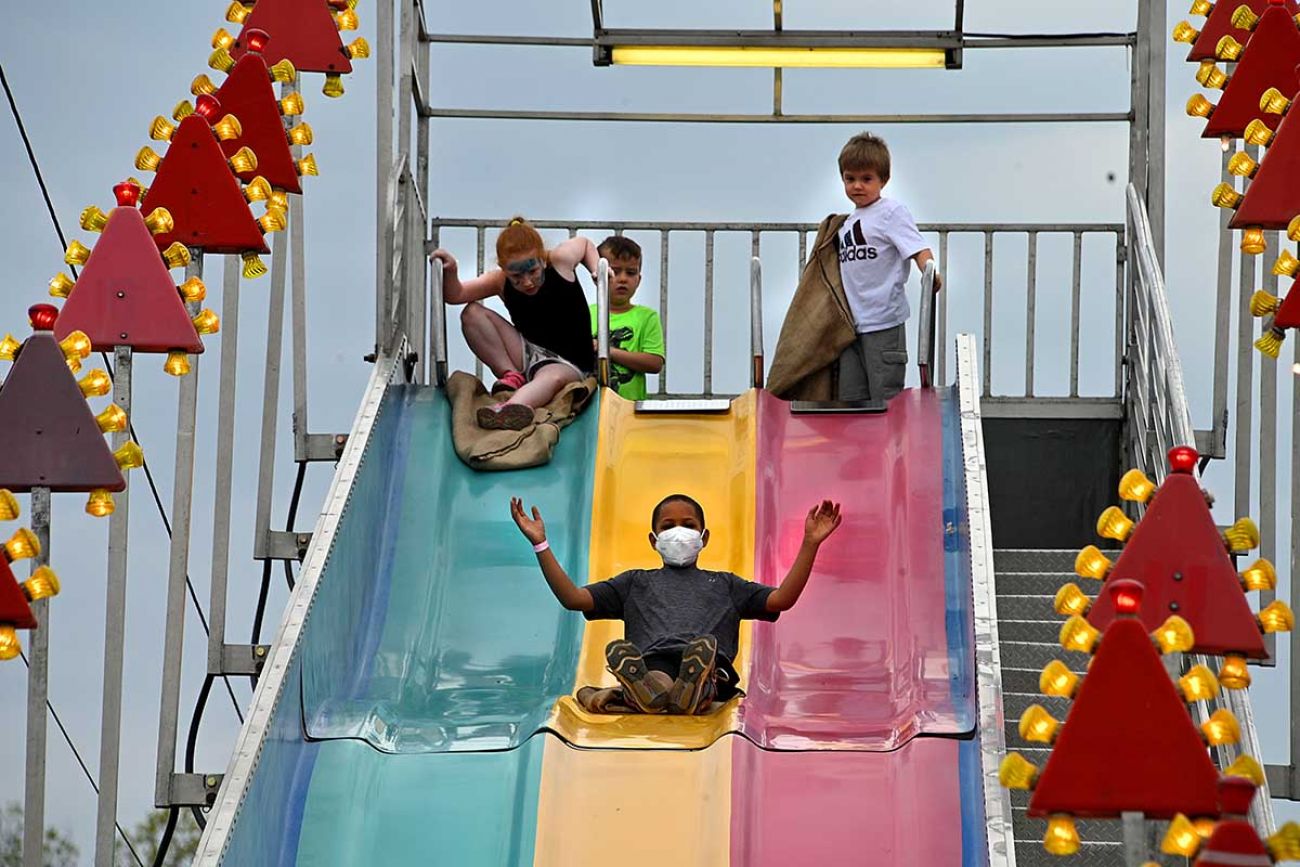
x,y
874,366
536,357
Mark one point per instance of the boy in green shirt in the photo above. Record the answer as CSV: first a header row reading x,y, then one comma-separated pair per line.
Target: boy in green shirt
x,y
636,337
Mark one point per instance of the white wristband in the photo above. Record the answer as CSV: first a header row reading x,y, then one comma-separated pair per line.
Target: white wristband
x,y
541,546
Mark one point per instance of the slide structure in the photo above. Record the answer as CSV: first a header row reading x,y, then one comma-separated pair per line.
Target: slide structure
x,y
425,711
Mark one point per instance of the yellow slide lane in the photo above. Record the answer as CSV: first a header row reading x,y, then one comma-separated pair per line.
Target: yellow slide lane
x,y
640,459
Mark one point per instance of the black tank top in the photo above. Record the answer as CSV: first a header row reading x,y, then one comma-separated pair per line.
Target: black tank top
x,y
556,317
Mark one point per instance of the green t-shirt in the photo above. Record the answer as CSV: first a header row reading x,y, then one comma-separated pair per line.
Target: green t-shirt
x,y
635,330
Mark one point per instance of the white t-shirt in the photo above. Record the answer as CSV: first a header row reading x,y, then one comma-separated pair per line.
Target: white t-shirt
x,y
876,245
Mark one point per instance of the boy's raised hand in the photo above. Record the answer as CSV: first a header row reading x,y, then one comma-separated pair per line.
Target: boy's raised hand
x,y
532,528
822,520
448,261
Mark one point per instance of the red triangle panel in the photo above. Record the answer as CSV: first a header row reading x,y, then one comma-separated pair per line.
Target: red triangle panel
x,y
14,610
301,30
1273,197
248,94
1269,61
1219,24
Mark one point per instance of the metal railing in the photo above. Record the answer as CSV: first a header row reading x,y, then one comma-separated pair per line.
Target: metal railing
x,y
1159,418
925,343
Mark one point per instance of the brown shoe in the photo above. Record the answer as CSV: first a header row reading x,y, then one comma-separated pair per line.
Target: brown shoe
x,y
644,689
508,416
693,688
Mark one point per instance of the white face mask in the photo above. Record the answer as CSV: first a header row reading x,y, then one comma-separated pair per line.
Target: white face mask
x,y
679,546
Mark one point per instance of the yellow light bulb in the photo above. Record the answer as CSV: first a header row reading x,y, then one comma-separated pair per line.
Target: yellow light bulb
x,y
1228,49
112,419
1078,634
1224,196
1234,673
61,285
1259,575
1293,228
333,85
1204,827
1202,8
1244,18
279,200
291,105
347,20
1174,635
177,363
42,585
1037,725
228,128
307,165
77,253
1221,728
1257,132
22,545
129,456
1208,74
222,38
1135,487
1270,342
9,510
1181,838
1070,600
253,266
1262,303
161,129
93,219
1091,563
357,49
1273,101
221,61
1253,242
144,191
100,504
1017,772
1114,524
160,222
243,161
1277,617
1286,264
274,220
1247,768
9,348
1242,536
75,345
206,322
1199,684
177,255
192,290
301,134
1062,838
1242,165
237,13
1057,680
96,383
1185,32
183,109
147,160
1284,845
258,189
1199,106
10,646
202,85
283,72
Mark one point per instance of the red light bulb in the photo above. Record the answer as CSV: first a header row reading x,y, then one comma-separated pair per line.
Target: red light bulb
x,y
208,107
257,39
1127,596
1235,795
1182,459
127,193
43,316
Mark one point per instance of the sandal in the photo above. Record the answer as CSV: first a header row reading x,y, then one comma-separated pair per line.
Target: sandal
x,y
506,416
645,693
693,687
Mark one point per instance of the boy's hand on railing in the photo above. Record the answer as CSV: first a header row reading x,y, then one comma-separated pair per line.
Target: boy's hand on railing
x,y
448,261
822,520
533,528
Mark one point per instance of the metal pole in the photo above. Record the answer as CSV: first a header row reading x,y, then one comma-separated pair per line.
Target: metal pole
x,y
987,336
178,566
1031,291
1155,40
1268,455
38,684
438,330
1222,325
1135,839
110,735
1245,379
756,319
602,321
663,305
224,463
708,313
1292,789
383,161
271,397
1139,99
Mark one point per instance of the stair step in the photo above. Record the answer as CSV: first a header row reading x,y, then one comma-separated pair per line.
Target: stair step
x,y
1037,583
1090,830
1014,704
1036,607
1033,560
1033,656
1040,631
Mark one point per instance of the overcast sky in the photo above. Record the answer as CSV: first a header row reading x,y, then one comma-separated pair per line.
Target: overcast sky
x,y
89,77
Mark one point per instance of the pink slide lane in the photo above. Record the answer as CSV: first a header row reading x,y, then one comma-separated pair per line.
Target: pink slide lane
x,y
862,661
835,808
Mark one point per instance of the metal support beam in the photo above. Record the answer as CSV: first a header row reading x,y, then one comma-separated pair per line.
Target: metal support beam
x,y
679,117
383,156
271,396
38,687
243,659
225,460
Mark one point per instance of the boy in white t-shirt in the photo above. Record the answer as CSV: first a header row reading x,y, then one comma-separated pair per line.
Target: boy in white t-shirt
x,y
875,244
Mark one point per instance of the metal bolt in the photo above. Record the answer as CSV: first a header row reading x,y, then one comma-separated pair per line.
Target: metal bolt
x,y
1173,606
260,650
209,781
1178,576
122,336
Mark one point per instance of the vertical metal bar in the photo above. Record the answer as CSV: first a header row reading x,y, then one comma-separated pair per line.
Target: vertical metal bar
x,y
1135,839
416,264
405,71
663,306
481,252
1031,287
1076,284
803,251
383,160
943,310
271,394
988,314
1139,126
438,327
708,312
1222,324
1294,559
298,331
225,460
1156,47
1121,297
177,569
38,687
422,122
110,730
1245,379
602,321
756,309
1268,453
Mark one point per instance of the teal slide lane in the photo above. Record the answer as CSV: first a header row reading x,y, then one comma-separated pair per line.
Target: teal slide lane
x,y
433,630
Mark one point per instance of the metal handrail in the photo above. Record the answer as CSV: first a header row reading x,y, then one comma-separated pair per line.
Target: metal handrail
x,y
756,320
925,343
1160,418
602,321
437,326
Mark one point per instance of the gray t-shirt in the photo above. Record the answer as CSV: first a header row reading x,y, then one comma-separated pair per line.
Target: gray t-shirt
x,y
664,609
